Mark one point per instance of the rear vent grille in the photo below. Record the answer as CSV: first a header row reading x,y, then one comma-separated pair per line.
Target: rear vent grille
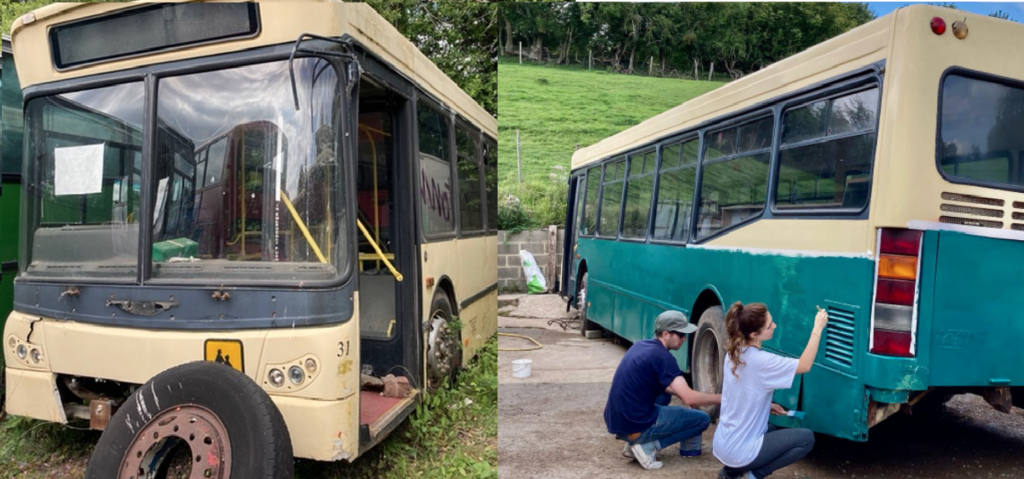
x,y
840,337
968,210
1019,205
970,222
977,200
1018,216
1018,227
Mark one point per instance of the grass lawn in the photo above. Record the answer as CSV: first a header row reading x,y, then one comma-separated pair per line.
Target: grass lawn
x,y
557,108
453,433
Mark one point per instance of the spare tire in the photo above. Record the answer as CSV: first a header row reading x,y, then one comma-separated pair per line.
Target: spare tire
x,y
227,422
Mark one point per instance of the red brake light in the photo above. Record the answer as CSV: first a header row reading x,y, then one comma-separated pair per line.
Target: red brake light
x,y
892,343
906,242
938,26
895,291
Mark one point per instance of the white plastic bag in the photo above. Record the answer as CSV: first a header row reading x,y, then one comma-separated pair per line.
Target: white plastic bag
x,y
534,277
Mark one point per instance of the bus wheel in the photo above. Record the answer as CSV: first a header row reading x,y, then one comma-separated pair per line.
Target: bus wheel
x,y
444,352
581,299
709,355
200,419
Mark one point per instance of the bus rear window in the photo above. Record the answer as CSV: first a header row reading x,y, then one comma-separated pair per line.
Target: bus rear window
x,y
980,128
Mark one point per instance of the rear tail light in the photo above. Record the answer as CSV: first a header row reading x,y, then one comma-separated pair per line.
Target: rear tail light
x,y
893,320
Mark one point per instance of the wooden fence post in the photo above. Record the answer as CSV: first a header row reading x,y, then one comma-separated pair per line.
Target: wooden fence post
x,y
519,157
590,62
520,53
552,257
712,72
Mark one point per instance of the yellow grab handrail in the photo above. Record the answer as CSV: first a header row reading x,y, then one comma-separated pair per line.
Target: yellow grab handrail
x,y
302,227
366,234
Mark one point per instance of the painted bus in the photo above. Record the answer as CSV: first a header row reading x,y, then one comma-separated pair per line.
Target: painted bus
x,y
878,175
230,226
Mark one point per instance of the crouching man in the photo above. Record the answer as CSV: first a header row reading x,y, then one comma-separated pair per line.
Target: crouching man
x,y
637,411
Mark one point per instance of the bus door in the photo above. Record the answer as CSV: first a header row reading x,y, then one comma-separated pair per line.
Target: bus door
x,y
573,217
386,242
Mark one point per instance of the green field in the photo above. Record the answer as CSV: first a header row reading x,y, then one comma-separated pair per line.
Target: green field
x,y
557,108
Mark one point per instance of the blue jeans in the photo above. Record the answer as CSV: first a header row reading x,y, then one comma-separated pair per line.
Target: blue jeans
x,y
675,424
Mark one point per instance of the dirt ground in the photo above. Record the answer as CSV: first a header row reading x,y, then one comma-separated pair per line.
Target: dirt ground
x,y
551,425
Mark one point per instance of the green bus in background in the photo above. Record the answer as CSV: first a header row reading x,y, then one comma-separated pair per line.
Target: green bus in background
x,y
10,159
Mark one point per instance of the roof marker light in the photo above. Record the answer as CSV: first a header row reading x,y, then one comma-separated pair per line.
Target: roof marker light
x,y
960,29
938,26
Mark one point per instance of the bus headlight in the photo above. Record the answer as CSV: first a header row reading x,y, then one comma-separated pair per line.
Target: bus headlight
x,y
311,365
295,375
276,377
37,355
22,351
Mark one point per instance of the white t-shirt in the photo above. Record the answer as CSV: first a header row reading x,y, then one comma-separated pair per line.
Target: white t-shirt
x,y
746,403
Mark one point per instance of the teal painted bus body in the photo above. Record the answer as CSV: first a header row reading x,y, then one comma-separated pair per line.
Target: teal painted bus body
x,y
967,332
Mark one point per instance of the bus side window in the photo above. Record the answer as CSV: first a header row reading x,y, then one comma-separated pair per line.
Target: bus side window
x,y
735,177
822,162
590,205
611,198
435,172
639,187
673,207
468,167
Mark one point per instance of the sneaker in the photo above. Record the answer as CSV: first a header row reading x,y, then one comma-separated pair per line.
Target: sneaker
x,y
626,452
646,456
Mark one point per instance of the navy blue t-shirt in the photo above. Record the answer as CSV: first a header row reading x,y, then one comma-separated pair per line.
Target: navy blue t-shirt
x,y
644,373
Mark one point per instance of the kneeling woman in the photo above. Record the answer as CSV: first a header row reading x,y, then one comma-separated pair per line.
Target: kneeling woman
x,y
744,441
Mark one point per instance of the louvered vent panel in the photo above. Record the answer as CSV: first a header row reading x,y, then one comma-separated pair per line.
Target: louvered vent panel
x,y
970,222
841,337
1018,226
977,200
1018,216
1019,205
970,210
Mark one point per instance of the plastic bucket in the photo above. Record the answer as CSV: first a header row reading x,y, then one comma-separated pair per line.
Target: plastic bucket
x,y
521,368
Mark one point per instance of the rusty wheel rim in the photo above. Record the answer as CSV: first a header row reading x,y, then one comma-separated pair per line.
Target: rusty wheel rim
x,y
194,427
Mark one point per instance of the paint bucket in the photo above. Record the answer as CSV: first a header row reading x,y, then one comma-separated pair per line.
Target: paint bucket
x,y
521,368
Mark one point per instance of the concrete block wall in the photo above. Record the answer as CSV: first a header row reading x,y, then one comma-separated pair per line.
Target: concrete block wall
x,y
510,269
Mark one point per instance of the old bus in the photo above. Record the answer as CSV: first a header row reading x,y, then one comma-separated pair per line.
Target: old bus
x,y
233,218
879,174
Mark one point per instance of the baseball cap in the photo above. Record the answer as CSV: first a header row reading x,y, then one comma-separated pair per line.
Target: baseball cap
x,y
673,321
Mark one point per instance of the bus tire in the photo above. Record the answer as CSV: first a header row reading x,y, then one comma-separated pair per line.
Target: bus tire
x,y
581,299
709,355
444,346
220,415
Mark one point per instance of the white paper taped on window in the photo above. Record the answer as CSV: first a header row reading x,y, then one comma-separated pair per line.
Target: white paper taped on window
x,y
78,170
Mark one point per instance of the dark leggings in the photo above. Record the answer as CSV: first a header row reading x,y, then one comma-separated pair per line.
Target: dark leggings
x,y
780,448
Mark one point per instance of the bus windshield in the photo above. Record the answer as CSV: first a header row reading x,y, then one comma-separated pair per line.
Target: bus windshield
x,y
244,186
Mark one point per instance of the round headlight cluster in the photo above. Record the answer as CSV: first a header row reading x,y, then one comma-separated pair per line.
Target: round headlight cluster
x,y
296,375
311,365
276,377
37,355
22,351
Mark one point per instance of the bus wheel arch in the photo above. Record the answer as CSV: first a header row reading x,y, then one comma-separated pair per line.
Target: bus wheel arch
x,y
443,342
215,412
